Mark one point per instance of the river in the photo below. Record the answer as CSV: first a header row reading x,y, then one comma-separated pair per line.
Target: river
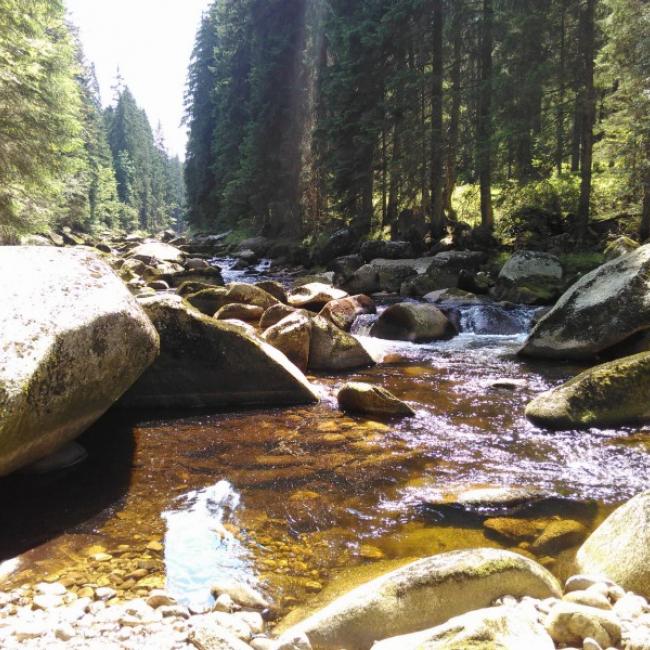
x,y
296,500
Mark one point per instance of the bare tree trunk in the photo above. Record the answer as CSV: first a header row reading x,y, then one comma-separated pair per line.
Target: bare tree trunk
x,y
644,230
559,127
437,148
454,113
483,131
588,118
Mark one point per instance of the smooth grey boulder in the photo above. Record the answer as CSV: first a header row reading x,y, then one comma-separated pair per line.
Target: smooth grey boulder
x,y
620,547
367,399
72,341
151,251
205,363
530,277
314,296
333,349
602,309
413,322
423,594
292,336
610,394
392,273
492,628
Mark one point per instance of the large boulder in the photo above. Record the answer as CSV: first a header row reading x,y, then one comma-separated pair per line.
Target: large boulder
x,y
275,314
73,340
603,308
249,294
610,394
344,312
333,349
208,301
314,296
413,322
530,277
620,547
393,273
492,628
389,250
292,336
239,311
367,399
364,280
423,594
211,276
206,363
153,251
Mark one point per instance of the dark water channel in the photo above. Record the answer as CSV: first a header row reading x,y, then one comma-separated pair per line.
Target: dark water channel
x,y
293,498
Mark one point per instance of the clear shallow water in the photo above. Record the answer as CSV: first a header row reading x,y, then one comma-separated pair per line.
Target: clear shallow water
x,y
287,498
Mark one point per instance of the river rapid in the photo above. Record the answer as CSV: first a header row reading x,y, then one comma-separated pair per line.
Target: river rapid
x,y
307,500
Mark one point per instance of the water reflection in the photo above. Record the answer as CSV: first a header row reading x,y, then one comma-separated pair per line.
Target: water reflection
x,y
199,549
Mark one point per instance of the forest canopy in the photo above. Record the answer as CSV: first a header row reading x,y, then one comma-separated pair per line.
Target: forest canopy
x,y
64,160
306,114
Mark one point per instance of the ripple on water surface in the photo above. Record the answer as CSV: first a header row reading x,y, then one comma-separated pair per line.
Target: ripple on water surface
x,y
289,498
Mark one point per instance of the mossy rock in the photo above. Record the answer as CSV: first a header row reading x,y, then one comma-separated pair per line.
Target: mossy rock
x,y
610,394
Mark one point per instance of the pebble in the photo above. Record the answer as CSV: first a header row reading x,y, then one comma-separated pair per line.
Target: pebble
x,y
631,606
64,632
589,598
47,602
582,582
225,603
105,593
241,593
159,598
570,623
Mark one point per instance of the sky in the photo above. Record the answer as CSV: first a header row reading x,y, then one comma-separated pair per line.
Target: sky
x,y
151,41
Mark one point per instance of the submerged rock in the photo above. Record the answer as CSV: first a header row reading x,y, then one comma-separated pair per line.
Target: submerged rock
x,y
500,500
357,397
611,394
602,309
493,628
412,322
423,594
73,339
620,547
208,363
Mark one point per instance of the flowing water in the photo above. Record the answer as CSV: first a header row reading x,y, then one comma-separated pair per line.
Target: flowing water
x,y
291,499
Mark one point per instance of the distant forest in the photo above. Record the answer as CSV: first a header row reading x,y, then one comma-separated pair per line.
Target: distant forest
x,y
307,115
312,113
64,160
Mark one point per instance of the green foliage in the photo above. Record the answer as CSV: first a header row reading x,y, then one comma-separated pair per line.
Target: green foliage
x,y
41,146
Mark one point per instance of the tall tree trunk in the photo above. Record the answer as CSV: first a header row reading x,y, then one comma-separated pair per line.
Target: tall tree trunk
x,y
483,130
559,127
454,112
437,148
588,118
644,230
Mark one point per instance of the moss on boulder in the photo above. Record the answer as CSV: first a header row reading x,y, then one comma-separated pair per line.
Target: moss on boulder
x,y
610,394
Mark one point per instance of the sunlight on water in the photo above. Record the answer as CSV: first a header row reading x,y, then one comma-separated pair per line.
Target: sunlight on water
x,y
199,550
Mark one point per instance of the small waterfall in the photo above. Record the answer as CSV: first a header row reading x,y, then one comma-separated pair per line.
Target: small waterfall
x,y
198,549
495,320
